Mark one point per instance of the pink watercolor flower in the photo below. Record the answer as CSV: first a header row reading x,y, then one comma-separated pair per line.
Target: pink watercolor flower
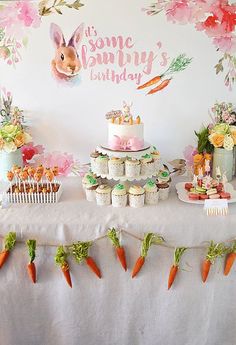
x,y
64,161
226,44
178,11
30,150
188,153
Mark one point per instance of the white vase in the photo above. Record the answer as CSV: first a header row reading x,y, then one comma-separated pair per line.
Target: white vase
x,y
7,160
234,162
224,160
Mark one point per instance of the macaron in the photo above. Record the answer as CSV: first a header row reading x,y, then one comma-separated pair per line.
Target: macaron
x,y
200,190
203,196
193,196
224,195
214,196
188,186
211,191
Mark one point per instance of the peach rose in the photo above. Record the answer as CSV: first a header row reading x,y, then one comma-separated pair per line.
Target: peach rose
x,y
216,139
19,140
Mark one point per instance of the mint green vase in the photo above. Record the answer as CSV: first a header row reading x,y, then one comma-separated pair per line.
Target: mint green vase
x,y
7,160
224,159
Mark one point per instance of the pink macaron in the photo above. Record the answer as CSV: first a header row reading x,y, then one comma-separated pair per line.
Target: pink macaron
x,y
193,196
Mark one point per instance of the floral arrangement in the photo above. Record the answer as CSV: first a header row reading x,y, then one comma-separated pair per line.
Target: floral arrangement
x,y
221,133
217,19
12,137
12,133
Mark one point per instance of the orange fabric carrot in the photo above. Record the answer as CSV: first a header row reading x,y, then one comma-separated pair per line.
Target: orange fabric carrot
x,y
230,258
150,82
149,239
31,269
214,251
92,265
160,87
80,252
120,252
61,260
175,267
9,242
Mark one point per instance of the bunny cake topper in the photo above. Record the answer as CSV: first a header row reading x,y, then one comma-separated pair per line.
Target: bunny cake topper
x,y
66,63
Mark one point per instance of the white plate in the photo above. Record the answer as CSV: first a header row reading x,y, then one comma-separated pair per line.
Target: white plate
x,y
183,194
126,178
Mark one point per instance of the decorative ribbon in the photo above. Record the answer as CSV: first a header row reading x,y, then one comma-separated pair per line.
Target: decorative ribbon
x,y
124,143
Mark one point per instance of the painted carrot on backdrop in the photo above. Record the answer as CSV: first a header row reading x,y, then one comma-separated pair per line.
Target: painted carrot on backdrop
x,y
31,268
61,260
214,251
175,267
80,252
230,258
177,65
149,239
120,252
9,242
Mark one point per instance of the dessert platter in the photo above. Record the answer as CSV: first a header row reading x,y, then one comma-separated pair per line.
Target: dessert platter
x,y
205,187
126,158
33,185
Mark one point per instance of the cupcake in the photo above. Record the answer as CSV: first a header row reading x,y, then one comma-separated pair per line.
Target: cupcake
x,y
136,196
103,195
132,167
147,165
164,189
101,165
86,179
151,193
119,196
156,157
116,167
93,157
90,188
164,176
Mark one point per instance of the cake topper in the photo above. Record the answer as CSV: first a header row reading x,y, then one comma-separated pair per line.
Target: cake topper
x,y
113,114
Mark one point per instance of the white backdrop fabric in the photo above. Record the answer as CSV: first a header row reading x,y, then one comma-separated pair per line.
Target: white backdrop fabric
x,y
116,309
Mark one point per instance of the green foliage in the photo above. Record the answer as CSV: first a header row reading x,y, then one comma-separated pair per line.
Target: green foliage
x,y
215,250
112,234
178,64
47,7
61,256
178,254
9,240
204,144
149,239
80,250
31,244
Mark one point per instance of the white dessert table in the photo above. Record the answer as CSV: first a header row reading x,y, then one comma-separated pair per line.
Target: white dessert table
x,y
116,309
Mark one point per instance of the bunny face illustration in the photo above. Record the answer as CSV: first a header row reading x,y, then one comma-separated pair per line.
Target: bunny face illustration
x,y
66,63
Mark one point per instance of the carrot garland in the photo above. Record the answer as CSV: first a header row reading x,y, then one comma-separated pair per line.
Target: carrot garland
x,y
215,250
230,258
178,64
80,253
9,242
149,239
31,269
61,260
120,252
175,267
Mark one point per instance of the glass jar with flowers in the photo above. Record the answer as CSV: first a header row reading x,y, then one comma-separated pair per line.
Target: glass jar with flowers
x,y
12,136
222,135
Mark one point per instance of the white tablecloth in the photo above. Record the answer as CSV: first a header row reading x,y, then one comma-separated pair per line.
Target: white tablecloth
x,y
116,309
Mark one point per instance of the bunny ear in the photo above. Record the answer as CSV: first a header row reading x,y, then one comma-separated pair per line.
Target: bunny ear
x,y
57,36
77,37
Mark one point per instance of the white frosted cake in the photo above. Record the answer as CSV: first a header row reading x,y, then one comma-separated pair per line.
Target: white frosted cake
x,y
124,132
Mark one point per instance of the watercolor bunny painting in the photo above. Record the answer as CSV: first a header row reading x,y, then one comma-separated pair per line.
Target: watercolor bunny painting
x,y
66,64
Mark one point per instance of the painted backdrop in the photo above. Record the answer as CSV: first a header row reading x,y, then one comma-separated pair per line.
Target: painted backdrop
x,y
68,63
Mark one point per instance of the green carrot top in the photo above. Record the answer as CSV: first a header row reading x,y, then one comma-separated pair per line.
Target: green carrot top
x,y
61,256
112,234
31,244
149,239
215,250
178,254
178,64
80,250
232,249
9,241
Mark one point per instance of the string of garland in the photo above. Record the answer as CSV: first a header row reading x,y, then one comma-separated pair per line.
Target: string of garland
x,y
80,252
